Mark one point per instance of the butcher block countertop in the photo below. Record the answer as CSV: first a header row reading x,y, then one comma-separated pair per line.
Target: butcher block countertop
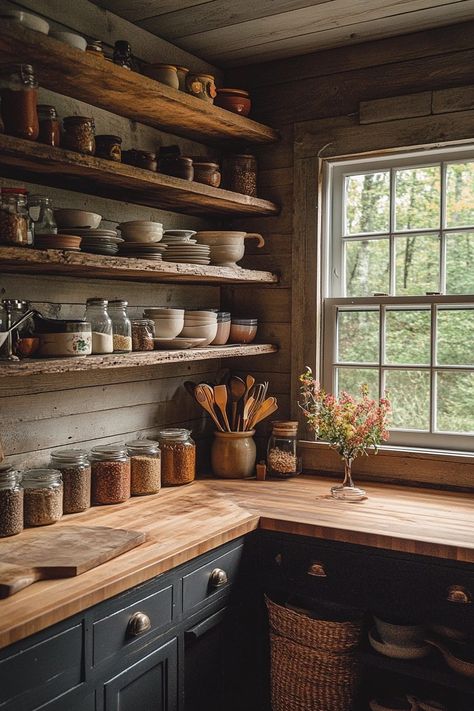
x,y
182,523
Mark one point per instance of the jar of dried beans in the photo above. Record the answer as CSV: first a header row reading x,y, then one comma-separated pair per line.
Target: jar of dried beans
x,y
239,174
79,134
76,472
145,465
14,218
110,474
178,457
43,497
142,334
283,460
19,91
11,502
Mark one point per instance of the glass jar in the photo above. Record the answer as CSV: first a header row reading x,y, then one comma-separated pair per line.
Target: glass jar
x,y
101,324
40,210
11,502
283,460
145,465
178,457
49,127
19,91
239,174
108,147
123,54
110,474
121,326
14,218
60,338
43,497
79,134
142,334
76,472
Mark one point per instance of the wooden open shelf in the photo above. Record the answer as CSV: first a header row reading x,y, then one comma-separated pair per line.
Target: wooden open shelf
x,y
50,366
95,266
29,161
94,80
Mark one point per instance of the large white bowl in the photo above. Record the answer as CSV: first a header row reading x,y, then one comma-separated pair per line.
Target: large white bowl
x,y
77,218
168,328
144,238
71,39
208,332
32,22
227,255
161,311
146,224
203,312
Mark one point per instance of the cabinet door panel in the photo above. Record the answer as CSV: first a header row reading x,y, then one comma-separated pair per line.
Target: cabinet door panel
x,y
149,685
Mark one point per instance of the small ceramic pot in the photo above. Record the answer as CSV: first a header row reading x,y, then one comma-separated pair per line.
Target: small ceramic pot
x,y
207,172
108,147
140,159
177,166
165,73
182,74
202,86
235,100
233,454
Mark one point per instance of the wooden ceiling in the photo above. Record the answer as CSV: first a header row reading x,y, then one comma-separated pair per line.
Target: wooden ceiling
x,y
236,32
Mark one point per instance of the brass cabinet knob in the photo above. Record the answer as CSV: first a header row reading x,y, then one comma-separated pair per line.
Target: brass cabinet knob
x,y
138,624
218,578
278,559
459,595
316,569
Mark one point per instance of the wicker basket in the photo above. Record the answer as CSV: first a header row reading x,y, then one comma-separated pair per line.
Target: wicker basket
x,y
313,664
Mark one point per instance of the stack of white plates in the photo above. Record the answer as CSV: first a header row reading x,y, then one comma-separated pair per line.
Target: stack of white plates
x,y
96,241
173,236
152,251
187,253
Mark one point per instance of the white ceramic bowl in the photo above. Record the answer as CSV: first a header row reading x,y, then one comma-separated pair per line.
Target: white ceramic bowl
x,y
144,224
71,39
227,256
168,328
145,238
201,313
31,22
161,311
208,332
400,635
202,322
77,218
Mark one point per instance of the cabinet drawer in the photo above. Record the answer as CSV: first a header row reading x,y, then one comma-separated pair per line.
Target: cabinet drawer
x,y
133,625
212,579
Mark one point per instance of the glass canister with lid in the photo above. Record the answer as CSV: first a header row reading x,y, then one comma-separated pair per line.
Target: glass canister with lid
x,y
76,472
96,314
15,227
11,502
110,466
178,457
143,331
145,462
19,92
79,134
283,460
121,326
43,496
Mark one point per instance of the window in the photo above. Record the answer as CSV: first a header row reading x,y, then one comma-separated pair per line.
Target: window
x,y
399,290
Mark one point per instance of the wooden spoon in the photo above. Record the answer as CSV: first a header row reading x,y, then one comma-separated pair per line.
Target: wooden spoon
x,y
246,414
267,407
237,392
220,398
201,398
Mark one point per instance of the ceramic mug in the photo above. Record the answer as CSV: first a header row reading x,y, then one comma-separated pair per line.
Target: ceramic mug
x,y
202,86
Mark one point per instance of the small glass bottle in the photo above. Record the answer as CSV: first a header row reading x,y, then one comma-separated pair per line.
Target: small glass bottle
x,y
121,326
110,474
79,134
43,498
49,127
283,460
145,466
142,334
178,457
40,209
19,91
101,324
76,472
11,502
15,227
123,54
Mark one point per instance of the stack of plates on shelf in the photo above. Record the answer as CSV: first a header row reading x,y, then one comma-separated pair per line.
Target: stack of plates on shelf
x,y
70,242
96,241
152,251
179,236
187,252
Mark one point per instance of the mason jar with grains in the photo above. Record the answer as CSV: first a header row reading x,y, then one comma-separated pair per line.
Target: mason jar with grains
x,y
101,324
11,502
43,497
76,472
283,459
110,474
121,326
145,466
178,457
79,134
19,93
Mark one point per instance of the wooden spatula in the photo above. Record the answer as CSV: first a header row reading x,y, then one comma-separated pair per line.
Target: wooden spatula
x,y
220,398
201,398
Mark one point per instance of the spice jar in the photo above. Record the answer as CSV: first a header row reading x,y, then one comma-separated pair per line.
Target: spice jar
x,y
14,218
121,326
178,457
239,174
76,472
283,460
142,334
110,474
19,91
40,210
79,134
11,502
101,324
49,128
108,147
123,54
43,497
145,464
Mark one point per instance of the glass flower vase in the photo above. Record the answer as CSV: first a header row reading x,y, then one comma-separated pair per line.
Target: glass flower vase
x,y
347,491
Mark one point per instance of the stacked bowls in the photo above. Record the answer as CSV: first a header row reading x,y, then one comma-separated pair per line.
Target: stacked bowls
x,y
85,227
182,248
223,329
200,324
141,239
168,322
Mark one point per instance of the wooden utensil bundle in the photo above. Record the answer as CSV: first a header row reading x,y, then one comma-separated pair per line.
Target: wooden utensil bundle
x,y
236,406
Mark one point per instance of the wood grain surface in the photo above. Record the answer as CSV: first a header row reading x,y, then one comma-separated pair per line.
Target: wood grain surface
x,y
182,523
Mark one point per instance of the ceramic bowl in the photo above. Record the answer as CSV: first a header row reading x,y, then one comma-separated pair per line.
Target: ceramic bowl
x,y
208,332
203,312
31,22
77,218
401,635
243,330
169,327
227,255
145,238
161,311
184,234
222,335
164,73
395,651
71,39
235,100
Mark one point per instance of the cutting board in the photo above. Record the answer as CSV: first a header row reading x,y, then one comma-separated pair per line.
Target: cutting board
x,y
63,552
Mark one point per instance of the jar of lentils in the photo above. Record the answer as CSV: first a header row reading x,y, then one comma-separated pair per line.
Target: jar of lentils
x,y
76,472
178,457
145,463
43,496
110,474
142,334
11,502
283,460
79,134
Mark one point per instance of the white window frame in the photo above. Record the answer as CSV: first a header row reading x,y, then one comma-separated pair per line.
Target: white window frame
x,y
333,215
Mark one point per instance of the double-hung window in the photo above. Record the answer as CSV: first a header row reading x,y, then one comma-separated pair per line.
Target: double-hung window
x,y
398,289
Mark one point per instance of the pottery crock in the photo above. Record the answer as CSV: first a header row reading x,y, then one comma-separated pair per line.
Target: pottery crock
x,y
233,454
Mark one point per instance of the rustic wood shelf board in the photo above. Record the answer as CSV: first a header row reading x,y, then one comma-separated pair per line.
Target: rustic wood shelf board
x,y
95,266
26,160
51,366
69,71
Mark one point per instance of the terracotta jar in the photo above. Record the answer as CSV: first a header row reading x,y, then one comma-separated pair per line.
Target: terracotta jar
x,y
164,73
235,100
239,173
108,147
202,86
182,74
141,159
206,172
233,454
19,91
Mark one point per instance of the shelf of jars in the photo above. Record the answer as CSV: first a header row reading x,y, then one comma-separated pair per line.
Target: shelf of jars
x,y
50,366
77,74
57,167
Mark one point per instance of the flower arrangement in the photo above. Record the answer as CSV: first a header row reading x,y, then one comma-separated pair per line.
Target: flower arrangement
x,y
350,426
